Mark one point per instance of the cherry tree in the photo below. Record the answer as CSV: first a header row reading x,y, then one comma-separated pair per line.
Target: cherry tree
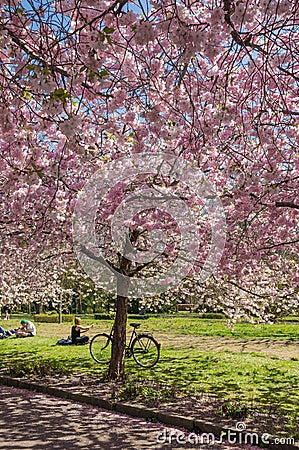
x,y
212,82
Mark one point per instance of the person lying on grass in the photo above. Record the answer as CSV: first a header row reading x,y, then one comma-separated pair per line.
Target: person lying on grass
x,y
6,333
76,332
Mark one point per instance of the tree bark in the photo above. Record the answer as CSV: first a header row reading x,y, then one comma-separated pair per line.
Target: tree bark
x,y
117,362
287,205
60,310
79,306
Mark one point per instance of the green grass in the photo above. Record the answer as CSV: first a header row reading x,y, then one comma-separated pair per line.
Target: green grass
x,y
246,380
220,328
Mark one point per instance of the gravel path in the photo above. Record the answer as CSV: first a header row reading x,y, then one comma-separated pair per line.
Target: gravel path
x,y
35,421
282,349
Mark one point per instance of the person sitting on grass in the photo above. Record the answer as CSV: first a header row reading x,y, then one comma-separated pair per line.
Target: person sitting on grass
x,y
76,332
27,329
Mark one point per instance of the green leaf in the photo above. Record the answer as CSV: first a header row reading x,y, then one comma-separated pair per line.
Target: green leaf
x,y
46,71
108,30
39,172
102,73
31,67
91,75
60,94
20,11
27,93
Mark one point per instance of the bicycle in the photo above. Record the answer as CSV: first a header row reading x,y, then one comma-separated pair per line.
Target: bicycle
x,y
143,347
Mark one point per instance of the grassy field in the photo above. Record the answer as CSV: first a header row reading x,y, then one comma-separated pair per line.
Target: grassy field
x,y
251,367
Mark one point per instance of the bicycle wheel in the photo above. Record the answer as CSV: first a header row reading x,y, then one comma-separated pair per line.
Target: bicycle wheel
x,y
145,350
100,348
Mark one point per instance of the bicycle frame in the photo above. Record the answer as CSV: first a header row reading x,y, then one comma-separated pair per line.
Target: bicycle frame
x,y
141,346
134,335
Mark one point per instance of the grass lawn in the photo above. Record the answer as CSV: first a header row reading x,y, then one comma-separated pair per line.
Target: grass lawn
x,y
249,366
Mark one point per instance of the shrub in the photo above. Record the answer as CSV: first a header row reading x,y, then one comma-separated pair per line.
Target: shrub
x,y
53,318
213,316
102,316
138,316
153,393
234,410
39,368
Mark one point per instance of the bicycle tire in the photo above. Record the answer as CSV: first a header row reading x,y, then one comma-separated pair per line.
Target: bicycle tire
x,y
100,348
145,350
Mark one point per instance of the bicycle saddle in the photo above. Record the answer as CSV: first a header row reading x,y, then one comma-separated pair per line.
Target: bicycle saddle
x,y
135,325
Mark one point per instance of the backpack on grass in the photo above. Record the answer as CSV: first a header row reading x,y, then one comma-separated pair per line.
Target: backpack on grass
x,y
82,340
67,341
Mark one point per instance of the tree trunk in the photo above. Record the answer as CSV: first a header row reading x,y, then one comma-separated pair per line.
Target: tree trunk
x,y
79,306
60,310
117,362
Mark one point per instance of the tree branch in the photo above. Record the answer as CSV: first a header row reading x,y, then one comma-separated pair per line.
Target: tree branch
x,y
286,205
279,245
34,55
246,290
99,259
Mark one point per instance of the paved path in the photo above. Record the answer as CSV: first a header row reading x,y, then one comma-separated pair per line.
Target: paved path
x,y
35,421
